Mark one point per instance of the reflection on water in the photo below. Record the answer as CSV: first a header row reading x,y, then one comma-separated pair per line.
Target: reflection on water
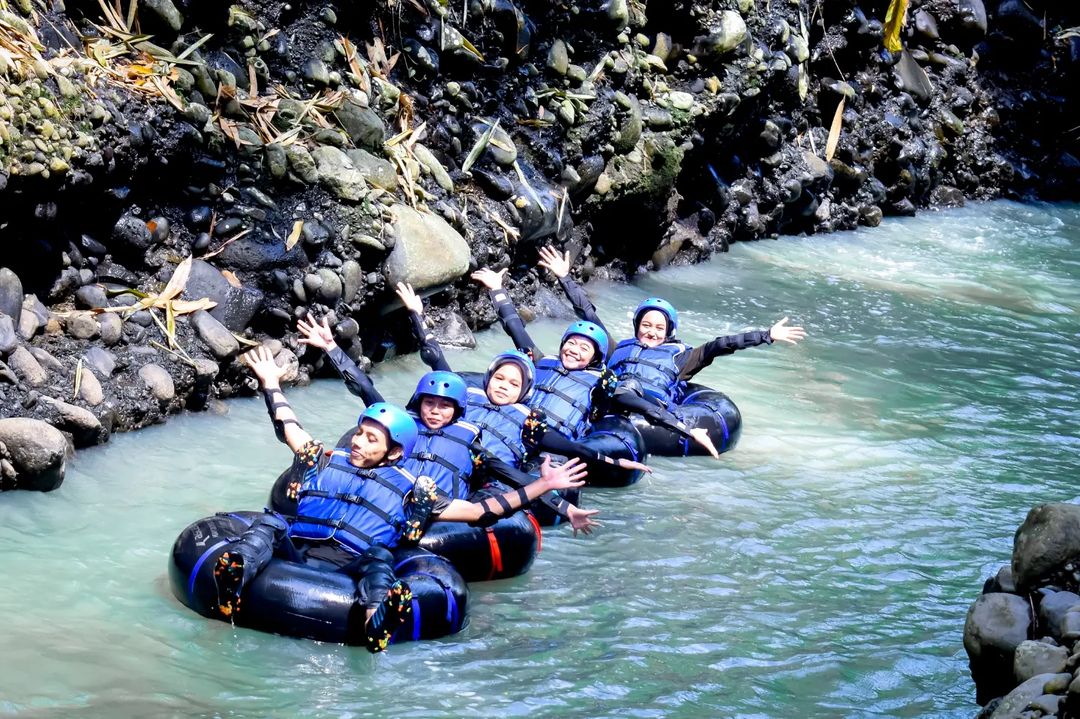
x,y
822,569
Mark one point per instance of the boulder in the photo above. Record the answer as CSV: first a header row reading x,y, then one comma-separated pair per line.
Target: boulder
x,y
9,340
215,335
1053,608
11,293
377,171
1016,701
453,331
132,234
1048,539
38,452
428,250
28,325
100,360
1033,658
85,428
337,173
83,325
365,127
27,367
110,327
726,33
158,381
90,388
235,305
46,360
996,625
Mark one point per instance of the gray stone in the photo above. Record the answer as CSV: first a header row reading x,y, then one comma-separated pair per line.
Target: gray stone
x,y
301,163
287,358
428,251
996,625
315,71
91,296
235,305
1069,626
90,388
85,428
973,16
82,325
352,279
166,12
110,327
926,25
1016,701
11,293
276,160
1052,610
28,325
630,127
337,173
912,78
377,171
26,367
133,233
558,59
158,381
1048,539
329,291
100,360
46,360
215,335
681,100
428,160
453,331
8,339
1032,658
365,127
501,147
726,34
38,452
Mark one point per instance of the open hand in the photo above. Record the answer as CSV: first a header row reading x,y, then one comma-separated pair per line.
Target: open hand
x,y
701,436
559,264
782,333
410,299
316,334
567,476
490,278
633,466
261,361
582,519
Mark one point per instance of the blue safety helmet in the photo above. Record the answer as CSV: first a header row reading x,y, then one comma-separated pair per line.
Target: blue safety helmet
x,y
528,370
399,424
442,384
590,331
662,306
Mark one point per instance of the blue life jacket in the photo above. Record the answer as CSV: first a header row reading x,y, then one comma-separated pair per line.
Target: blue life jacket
x,y
653,367
564,395
445,455
359,508
500,426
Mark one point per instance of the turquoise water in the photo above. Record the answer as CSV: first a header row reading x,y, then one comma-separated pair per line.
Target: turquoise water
x,y
822,569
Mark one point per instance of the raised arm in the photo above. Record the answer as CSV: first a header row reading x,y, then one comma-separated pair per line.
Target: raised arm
x,y
319,335
286,426
697,359
509,318
559,265
430,351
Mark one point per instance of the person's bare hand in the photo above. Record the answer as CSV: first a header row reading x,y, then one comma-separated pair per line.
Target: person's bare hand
x,y
782,333
490,278
318,335
262,364
582,519
410,299
701,436
633,466
559,264
566,476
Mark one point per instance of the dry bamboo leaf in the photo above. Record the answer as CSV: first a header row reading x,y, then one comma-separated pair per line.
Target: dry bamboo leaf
x,y
894,22
252,80
178,280
170,323
194,46
479,147
231,278
245,341
186,307
294,235
834,130
78,378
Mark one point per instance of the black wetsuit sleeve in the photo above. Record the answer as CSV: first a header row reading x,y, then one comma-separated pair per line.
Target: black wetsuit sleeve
x,y
697,359
356,379
583,306
430,350
513,477
629,402
558,444
512,323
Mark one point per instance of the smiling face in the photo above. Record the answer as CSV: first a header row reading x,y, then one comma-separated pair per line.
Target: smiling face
x,y
652,328
436,412
370,446
577,352
504,387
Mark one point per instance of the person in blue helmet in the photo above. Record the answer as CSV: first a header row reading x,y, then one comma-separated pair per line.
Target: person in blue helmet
x,y
575,388
449,449
355,505
512,431
657,363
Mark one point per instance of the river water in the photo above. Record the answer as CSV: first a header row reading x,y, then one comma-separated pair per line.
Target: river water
x,y
822,569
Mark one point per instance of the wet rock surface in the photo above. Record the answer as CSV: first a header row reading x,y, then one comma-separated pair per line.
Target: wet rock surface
x,y
307,160
1023,638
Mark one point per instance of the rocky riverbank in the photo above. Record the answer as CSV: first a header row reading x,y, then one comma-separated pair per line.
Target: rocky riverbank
x,y
1022,634
180,180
